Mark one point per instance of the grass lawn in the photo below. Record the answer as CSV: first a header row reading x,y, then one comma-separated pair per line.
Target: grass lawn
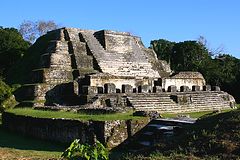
x,y
72,115
192,114
14,146
95,117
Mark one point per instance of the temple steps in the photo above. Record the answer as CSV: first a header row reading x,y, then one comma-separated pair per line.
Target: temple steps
x,y
153,102
94,45
120,64
163,102
158,130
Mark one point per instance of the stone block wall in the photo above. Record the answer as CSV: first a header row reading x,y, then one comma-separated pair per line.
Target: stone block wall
x,y
110,133
100,79
59,130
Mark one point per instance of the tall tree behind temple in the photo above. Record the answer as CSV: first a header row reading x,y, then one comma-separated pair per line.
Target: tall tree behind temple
x,y
12,48
189,55
183,56
228,73
163,48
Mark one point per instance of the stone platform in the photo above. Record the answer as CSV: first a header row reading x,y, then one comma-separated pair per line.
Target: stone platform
x,y
100,69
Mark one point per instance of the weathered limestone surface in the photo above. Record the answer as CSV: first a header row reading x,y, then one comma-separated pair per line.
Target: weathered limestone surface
x,y
100,79
122,55
109,88
172,88
184,79
195,88
126,88
207,88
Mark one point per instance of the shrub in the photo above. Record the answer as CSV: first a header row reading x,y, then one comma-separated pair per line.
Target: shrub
x,y
77,151
7,100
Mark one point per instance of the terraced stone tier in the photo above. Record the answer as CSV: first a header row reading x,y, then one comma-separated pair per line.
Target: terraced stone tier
x,y
181,101
152,101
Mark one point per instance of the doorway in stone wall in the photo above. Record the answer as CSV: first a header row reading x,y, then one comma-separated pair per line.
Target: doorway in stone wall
x,y
158,82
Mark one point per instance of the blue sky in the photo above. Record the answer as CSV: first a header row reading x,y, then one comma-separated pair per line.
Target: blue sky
x,y
175,20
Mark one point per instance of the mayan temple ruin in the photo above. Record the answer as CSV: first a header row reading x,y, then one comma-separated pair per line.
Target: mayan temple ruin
x,y
113,70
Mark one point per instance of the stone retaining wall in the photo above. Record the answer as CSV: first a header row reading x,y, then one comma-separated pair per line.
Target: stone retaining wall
x,y
110,133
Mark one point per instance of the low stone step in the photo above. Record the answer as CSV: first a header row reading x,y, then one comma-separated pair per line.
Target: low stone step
x,y
154,106
148,133
150,98
145,143
152,103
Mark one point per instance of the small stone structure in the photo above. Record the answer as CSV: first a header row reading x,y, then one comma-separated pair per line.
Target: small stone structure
x,y
99,69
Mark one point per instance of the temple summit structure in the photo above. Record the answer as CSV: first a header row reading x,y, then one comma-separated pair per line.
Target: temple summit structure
x,y
87,69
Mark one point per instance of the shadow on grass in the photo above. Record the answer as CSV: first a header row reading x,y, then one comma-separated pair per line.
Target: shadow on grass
x,y
18,141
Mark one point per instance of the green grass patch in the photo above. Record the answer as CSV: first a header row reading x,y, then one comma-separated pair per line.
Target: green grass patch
x,y
72,115
238,105
14,146
191,114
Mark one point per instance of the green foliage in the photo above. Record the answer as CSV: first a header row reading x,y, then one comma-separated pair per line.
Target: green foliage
x,y
163,48
12,48
7,100
221,136
183,56
85,151
224,71
15,145
189,55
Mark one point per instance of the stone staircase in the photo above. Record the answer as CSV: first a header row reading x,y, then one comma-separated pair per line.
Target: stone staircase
x,y
209,99
157,131
153,102
163,102
119,64
93,44
121,68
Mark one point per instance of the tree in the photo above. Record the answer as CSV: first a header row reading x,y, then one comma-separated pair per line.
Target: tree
x,y
163,48
32,30
12,48
189,56
229,74
79,151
